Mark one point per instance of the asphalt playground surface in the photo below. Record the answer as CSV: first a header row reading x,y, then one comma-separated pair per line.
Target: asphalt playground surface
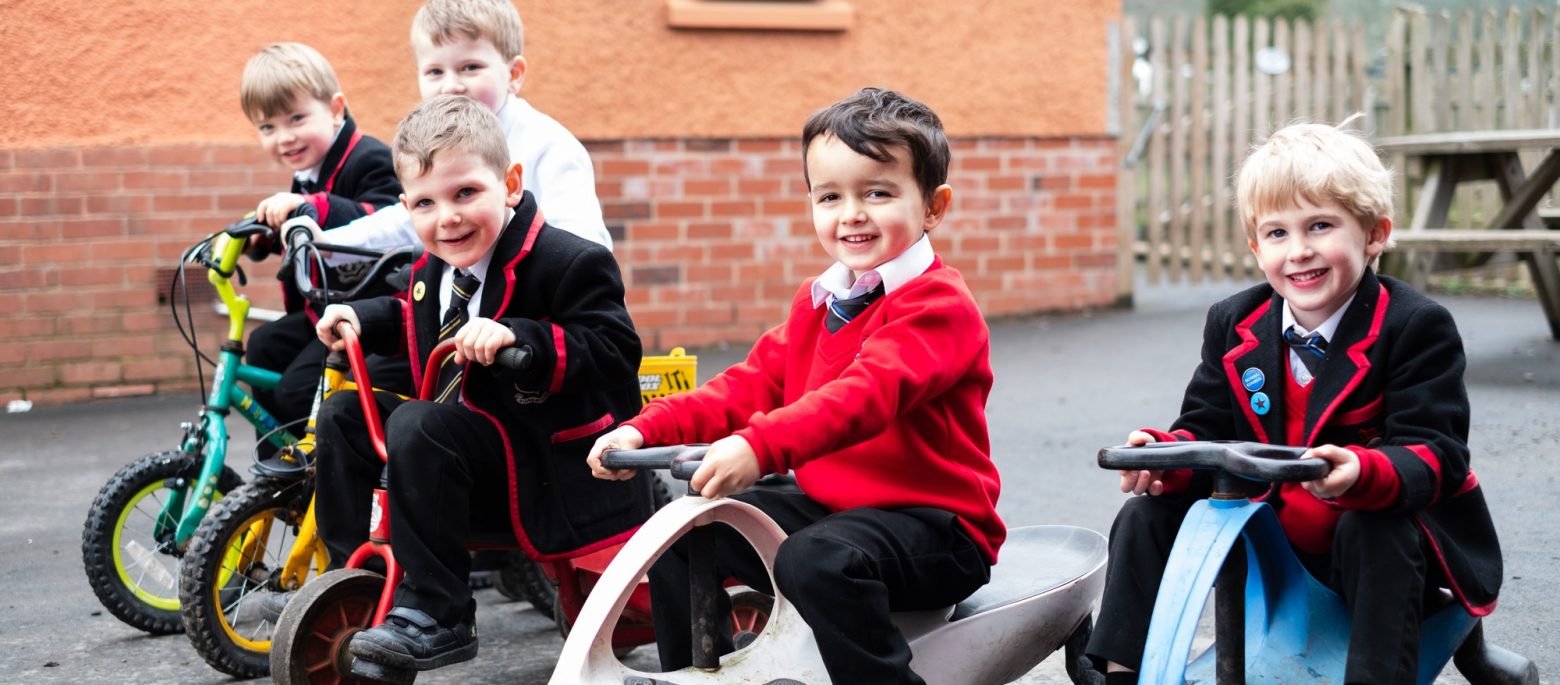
x,y
1066,386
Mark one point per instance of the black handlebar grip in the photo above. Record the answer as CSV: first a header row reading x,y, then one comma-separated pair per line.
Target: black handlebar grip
x,y
517,358
669,457
683,470
1250,460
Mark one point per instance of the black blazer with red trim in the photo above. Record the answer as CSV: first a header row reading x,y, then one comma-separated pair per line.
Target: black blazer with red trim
x,y
357,177
1393,382
562,295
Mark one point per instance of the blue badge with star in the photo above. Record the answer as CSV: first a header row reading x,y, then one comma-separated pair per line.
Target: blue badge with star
x,y
1260,403
1252,379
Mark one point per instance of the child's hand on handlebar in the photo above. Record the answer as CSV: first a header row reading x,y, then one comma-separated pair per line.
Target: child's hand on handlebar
x,y
1345,471
729,466
1142,482
480,340
277,208
326,328
620,438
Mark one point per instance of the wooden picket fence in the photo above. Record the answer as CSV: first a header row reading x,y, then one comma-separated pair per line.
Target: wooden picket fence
x,y
1216,86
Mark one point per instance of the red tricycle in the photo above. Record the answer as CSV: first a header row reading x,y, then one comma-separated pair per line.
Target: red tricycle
x,y
310,642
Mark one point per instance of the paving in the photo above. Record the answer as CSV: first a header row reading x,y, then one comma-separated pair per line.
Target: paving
x,y
1066,385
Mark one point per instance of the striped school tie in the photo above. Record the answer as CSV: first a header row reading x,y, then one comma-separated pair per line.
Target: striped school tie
x,y
842,311
1312,349
461,289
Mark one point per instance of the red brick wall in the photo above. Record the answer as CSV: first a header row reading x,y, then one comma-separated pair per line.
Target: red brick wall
x,y
713,237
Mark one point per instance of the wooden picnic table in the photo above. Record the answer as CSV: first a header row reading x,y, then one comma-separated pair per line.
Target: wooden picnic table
x,y
1452,158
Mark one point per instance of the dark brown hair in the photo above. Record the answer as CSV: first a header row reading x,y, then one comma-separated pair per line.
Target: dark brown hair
x,y
873,122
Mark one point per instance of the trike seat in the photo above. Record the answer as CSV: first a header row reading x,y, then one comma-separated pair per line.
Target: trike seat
x,y
1034,561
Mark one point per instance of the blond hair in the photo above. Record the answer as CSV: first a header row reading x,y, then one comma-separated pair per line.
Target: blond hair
x,y
1320,164
275,77
497,21
449,123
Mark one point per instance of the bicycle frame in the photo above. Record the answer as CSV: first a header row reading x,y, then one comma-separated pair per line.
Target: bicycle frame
x,y
209,438
306,552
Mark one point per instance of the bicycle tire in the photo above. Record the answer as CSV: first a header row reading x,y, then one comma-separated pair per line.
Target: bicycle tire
x,y
119,569
522,578
218,600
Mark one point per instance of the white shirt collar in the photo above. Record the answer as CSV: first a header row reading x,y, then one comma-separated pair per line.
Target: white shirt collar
x,y
1297,368
836,280
312,174
479,269
511,110
1328,327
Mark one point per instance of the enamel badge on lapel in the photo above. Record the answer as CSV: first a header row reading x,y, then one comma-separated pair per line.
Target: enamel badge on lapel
x,y
1260,404
419,290
1252,379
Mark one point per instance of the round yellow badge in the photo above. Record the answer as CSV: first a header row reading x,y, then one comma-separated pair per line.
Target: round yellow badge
x,y
418,291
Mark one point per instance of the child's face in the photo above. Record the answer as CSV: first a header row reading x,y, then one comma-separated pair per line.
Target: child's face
x,y
300,135
1315,255
867,212
458,205
467,66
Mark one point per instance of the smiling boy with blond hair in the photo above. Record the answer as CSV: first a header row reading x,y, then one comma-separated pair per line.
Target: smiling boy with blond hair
x,y
495,449
474,48
1362,369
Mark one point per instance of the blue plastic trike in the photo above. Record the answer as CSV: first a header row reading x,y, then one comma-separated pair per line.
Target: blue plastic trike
x,y
1273,621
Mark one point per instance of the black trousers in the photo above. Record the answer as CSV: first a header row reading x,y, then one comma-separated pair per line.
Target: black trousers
x,y
1378,564
448,478
843,571
289,346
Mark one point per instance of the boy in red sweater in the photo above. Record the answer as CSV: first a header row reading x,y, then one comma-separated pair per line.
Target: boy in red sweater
x,y
1360,368
873,392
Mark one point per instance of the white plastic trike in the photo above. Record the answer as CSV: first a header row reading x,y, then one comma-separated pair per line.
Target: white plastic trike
x,y
1040,599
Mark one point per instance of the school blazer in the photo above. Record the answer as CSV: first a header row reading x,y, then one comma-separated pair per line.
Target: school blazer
x,y
562,296
1393,382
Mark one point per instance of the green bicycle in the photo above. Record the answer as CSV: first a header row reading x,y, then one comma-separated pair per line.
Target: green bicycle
x,y
143,518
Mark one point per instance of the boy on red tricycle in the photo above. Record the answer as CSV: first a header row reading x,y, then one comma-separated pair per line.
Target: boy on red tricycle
x,y
496,447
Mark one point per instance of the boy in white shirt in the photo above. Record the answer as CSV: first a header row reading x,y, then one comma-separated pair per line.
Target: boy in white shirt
x,y
473,48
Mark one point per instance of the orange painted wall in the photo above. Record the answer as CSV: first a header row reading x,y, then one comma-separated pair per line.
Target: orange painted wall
x,y
166,71
122,143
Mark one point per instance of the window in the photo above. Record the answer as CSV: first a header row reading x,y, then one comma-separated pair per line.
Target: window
x,y
783,15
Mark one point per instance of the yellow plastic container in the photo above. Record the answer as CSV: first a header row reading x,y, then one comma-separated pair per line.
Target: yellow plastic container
x,y
667,374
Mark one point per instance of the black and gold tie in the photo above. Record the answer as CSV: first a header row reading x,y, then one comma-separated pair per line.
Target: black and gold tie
x,y
842,311
461,289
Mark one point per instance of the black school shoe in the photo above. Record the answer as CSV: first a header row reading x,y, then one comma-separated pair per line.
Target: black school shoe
x,y
411,639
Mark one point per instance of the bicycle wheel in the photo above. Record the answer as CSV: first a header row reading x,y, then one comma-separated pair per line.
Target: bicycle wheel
x,y
132,570
226,573
522,578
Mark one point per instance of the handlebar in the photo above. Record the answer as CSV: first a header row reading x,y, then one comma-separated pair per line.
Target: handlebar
x,y
248,226
304,257
1250,460
517,358
681,460
376,428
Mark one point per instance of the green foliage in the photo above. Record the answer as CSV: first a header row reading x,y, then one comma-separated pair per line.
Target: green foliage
x,y
1288,9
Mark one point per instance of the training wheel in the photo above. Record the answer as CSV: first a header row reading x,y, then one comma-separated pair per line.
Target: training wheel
x,y
309,645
